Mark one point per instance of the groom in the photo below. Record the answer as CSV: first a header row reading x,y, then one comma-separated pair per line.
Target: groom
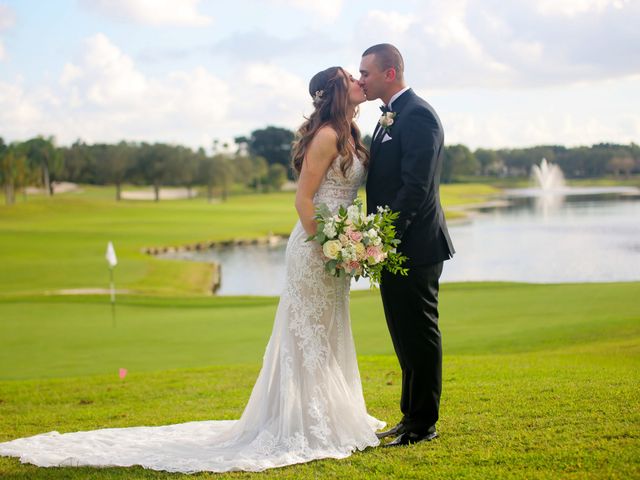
x,y
404,173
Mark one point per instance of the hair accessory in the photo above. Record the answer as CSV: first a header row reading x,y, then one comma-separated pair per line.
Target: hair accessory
x,y
318,96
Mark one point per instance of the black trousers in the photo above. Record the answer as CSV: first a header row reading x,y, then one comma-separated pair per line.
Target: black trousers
x,y
411,308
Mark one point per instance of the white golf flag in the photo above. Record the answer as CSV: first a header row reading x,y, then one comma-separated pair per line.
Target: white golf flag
x,y
111,255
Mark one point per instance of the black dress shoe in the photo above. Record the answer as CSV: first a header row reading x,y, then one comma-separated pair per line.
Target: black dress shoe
x,y
397,430
409,438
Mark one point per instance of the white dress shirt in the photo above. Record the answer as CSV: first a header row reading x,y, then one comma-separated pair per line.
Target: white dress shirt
x,y
396,96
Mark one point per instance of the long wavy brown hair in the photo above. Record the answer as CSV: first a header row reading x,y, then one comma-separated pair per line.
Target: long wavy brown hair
x,y
330,94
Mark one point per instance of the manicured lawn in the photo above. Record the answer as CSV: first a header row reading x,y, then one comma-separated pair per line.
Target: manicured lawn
x,y
68,336
541,381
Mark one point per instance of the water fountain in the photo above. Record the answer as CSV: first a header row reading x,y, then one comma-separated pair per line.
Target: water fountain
x,y
550,190
551,186
548,176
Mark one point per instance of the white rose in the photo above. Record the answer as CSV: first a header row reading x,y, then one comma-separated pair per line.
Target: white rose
x,y
386,120
331,249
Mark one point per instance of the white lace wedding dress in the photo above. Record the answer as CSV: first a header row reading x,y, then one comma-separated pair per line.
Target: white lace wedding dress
x,y
306,404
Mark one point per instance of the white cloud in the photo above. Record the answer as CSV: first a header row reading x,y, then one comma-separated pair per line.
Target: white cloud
x,y
326,9
575,7
181,104
7,17
258,45
153,12
394,21
499,74
111,77
589,113
196,97
470,43
437,44
543,48
103,96
7,20
70,72
268,94
497,130
17,111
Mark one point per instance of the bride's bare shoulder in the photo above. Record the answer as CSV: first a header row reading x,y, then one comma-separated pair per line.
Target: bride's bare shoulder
x,y
326,136
324,143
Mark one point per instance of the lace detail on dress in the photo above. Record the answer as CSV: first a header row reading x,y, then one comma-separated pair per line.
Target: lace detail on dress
x,y
266,444
306,404
318,411
337,189
286,369
310,291
307,302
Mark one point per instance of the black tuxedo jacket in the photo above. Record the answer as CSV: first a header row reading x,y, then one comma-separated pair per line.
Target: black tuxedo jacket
x,y
404,173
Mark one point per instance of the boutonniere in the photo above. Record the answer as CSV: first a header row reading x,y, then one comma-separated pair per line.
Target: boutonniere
x,y
386,120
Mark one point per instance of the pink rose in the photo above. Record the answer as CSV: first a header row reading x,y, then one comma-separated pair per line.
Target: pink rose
x,y
354,266
355,235
374,254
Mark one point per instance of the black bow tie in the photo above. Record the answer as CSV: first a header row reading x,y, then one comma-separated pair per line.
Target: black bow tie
x,y
385,109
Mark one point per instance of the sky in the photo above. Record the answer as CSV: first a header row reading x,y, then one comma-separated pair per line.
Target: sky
x,y
500,74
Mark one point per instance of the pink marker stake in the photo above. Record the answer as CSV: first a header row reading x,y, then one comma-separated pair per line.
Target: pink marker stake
x,y
123,372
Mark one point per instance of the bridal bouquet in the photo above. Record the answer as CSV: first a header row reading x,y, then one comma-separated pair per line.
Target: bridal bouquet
x,y
356,244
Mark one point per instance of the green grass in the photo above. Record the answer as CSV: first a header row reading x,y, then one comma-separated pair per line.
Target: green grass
x,y
65,336
541,381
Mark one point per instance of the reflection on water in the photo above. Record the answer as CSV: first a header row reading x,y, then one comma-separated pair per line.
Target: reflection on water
x,y
246,270
540,239
545,204
579,239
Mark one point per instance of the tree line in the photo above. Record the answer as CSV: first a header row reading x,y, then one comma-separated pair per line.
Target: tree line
x,y
579,162
261,161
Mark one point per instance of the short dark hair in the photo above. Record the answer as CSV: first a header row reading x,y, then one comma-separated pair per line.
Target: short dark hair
x,y
387,56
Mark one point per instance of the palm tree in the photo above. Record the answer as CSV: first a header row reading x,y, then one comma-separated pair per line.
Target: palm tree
x,y
43,154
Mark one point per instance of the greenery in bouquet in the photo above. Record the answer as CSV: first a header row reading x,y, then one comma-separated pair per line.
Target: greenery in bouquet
x,y
358,245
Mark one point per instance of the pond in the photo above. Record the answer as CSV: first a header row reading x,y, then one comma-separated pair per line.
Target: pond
x,y
577,235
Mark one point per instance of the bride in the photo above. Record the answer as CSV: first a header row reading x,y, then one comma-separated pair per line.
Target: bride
x,y
307,402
